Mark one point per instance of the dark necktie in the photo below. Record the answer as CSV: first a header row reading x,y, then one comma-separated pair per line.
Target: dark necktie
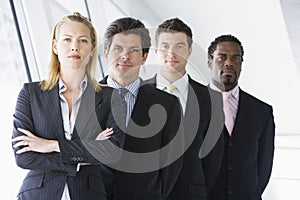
x,y
122,93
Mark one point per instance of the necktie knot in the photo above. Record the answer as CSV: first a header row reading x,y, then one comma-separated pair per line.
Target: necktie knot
x,y
122,91
226,96
171,88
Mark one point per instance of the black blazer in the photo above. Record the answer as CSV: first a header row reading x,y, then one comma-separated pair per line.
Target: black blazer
x,y
39,112
250,151
191,182
157,183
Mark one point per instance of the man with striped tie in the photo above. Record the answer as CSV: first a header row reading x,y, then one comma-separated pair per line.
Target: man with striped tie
x,y
150,161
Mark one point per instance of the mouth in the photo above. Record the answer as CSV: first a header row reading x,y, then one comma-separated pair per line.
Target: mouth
x,y
74,57
172,62
228,73
124,64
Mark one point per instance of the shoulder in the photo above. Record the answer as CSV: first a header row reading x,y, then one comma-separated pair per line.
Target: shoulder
x,y
252,100
199,88
197,84
105,93
32,87
32,84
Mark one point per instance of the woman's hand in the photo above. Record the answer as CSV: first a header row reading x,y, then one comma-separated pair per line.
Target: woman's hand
x,y
34,143
104,135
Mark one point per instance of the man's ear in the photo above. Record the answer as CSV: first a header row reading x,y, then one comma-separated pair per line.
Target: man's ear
x,y
190,51
105,53
209,63
145,56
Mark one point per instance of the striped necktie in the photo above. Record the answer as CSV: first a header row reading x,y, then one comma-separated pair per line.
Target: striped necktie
x,y
122,92
229,121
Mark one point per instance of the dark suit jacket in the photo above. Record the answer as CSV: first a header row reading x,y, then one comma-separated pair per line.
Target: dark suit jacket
x,y
249,154
157,183
39,112
191,182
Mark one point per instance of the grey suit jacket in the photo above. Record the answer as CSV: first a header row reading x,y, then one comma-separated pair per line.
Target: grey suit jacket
x,y
39,112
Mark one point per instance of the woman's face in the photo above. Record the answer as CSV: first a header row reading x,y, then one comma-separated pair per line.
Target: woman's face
x,y
73,45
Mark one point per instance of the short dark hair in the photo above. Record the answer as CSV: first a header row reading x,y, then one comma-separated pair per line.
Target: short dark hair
x,y
127,25
174,25
223,38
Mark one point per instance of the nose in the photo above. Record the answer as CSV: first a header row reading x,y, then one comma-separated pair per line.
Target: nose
x,y
75,49
74,46
228,63
125,56
172,51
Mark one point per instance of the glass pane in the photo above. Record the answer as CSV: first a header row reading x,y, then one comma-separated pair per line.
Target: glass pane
x,y
11,78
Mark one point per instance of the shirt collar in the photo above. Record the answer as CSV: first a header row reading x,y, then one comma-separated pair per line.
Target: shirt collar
x,y
132,87
62,86
181,84
234,92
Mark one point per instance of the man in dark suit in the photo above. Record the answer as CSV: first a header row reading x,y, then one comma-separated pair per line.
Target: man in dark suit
x,y
150,161
240,164
173,41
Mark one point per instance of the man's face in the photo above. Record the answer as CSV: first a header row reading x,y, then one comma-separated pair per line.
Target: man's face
x,y
125,55
226,65
173,51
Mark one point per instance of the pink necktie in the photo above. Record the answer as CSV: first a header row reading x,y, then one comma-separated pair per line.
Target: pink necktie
x,y
229,121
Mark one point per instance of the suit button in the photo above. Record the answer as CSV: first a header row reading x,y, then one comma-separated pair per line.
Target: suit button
x,y
229,168
230,144
229,192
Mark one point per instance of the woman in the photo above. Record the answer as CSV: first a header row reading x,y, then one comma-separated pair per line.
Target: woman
x,y
58,122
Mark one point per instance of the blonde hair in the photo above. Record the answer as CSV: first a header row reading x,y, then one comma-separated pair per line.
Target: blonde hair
x,y
54,64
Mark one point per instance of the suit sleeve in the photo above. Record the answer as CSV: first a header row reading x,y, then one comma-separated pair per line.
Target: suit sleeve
x,y
174,138
89,151
83,147
47,162
266,153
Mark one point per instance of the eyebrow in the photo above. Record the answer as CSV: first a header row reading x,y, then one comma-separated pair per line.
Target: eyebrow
x,y
179,43
224,54
175,43
131,47
81,36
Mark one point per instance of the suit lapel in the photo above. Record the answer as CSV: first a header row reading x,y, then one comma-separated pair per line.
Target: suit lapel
x,y
86,121
141,105
51,101
240,115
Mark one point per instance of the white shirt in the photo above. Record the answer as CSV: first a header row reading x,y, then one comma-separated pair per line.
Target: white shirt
x,y
130,96
69,122
181,91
